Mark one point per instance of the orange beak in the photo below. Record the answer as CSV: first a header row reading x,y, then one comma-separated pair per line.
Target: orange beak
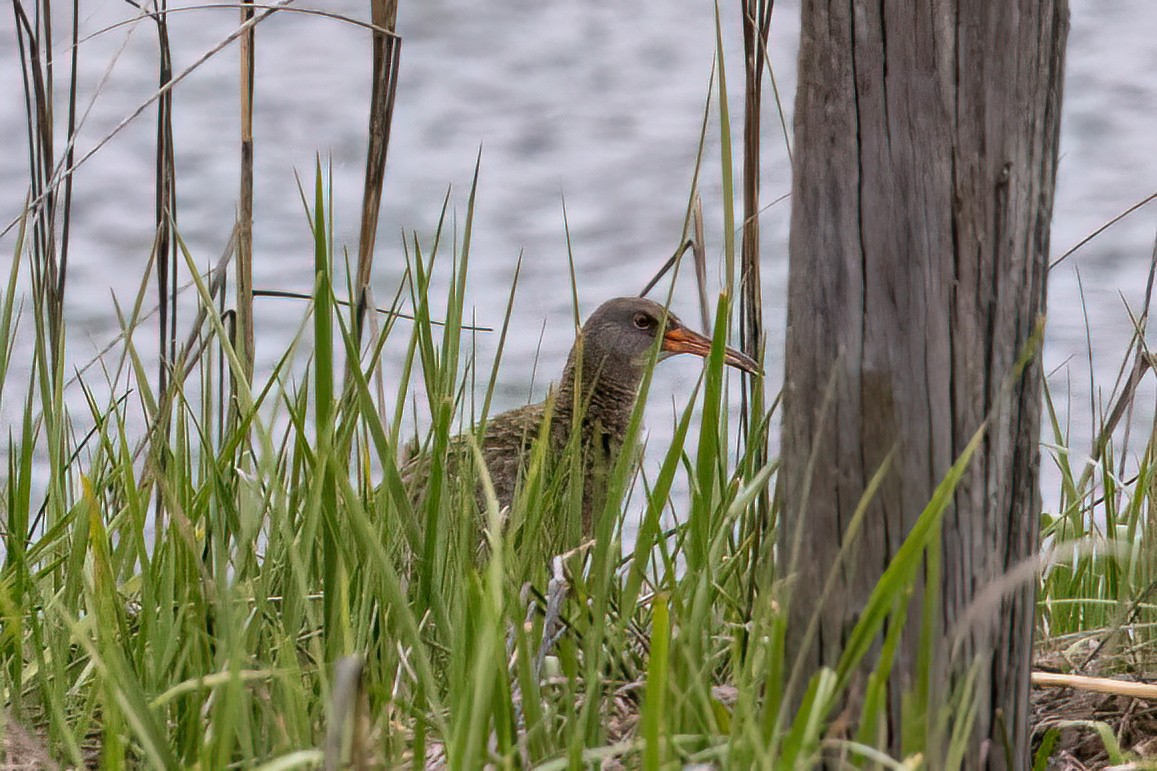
x,y
683,340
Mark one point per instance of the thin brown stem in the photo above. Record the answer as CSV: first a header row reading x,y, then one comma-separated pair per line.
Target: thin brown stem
x,y
245,206
386,50
756,25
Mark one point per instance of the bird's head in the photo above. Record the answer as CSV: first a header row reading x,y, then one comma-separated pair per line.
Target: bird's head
x,y
622,331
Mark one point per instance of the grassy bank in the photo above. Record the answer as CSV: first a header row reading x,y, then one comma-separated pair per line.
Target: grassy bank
x,y
203,571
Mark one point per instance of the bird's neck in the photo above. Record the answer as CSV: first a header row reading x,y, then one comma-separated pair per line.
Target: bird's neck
x,y
604,387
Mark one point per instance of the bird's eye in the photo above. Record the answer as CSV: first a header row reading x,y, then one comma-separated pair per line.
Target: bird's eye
x,y
643,321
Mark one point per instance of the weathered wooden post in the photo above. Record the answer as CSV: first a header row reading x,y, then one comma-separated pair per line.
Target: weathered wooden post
x,y
925,157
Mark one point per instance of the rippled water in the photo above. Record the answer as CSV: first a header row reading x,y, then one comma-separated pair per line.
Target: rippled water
x,y
600,103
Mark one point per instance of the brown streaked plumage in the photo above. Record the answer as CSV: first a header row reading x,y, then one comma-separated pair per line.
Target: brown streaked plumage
x,y
601,379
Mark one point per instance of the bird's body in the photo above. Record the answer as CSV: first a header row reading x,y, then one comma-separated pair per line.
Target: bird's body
x,y
596,395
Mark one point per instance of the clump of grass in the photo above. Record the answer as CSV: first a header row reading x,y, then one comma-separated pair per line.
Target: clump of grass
x,y
1099,590
208,632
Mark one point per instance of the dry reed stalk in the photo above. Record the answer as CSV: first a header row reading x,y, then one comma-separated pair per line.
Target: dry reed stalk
x,y
1147,691
66,208
671,263
166,203
245,348
386,51
1142,351
34,39
756,25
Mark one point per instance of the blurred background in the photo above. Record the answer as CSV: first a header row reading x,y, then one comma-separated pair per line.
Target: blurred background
x,y
599,104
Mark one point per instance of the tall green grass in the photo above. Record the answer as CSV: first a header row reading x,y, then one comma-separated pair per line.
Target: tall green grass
x,y
192,610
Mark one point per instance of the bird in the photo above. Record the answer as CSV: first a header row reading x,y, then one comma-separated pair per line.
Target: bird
x,y
595,395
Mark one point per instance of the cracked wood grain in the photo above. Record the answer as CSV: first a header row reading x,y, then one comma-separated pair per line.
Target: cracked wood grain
x,y
925,160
